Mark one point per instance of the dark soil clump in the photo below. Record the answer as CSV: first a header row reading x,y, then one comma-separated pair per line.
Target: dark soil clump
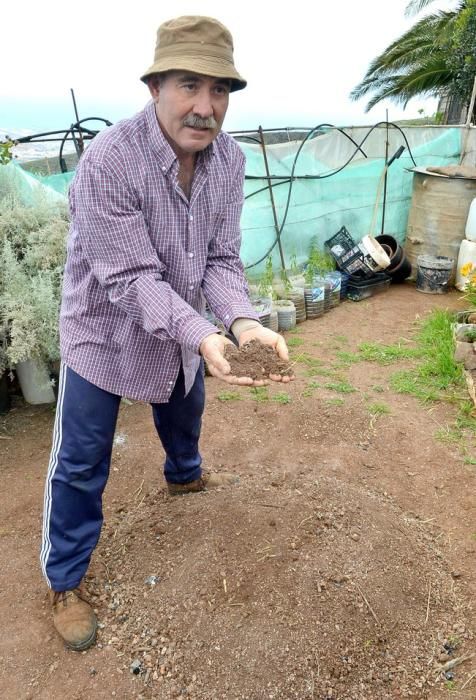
x,y
255,360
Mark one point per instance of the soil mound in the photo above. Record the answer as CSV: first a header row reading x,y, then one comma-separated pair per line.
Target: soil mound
x,y
289,589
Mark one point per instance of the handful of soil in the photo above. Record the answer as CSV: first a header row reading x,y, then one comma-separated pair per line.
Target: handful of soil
x,y
255,360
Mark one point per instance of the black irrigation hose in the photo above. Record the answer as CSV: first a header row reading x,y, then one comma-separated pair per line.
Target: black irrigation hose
x,y
77,127
290,179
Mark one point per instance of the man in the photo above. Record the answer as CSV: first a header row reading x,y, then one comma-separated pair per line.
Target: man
x,y
155,209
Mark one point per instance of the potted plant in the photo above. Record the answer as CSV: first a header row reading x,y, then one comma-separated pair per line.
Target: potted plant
x,y
32,253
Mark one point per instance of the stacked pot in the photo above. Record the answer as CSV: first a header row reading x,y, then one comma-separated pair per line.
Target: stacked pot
x,y
400,267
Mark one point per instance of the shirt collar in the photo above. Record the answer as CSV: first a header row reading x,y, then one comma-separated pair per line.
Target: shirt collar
x,y
160,144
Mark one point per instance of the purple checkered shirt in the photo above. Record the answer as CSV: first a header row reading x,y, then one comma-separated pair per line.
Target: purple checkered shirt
x,y
142,259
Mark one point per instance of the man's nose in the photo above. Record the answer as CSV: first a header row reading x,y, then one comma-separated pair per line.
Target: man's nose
x,y
203,104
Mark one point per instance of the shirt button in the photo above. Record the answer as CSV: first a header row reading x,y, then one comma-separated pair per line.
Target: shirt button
x,y
190,286
191,217
164,168
190,255
170,383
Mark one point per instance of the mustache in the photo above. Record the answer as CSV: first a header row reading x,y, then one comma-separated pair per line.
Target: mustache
x,y
196,122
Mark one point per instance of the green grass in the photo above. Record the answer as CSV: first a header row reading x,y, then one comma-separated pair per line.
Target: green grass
x,y
309,390
281,397
259,393
437,376
304,358
335,402
229,396
379,409
345,359
378,389
342,386
313,366
448,435
387,354
320,372
295,342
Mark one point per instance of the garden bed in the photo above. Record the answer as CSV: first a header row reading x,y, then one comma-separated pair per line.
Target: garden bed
x,y
341,566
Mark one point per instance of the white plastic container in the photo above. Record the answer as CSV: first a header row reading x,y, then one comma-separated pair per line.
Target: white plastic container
x,y
34,382
466,266
368,257
470,230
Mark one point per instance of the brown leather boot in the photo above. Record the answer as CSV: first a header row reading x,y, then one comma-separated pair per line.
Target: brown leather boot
x,y
73,618
205,482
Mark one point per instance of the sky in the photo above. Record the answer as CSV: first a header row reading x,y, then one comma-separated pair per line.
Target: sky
x,y
301,59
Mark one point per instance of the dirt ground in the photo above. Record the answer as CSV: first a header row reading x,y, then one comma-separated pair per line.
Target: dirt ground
x,y
341,566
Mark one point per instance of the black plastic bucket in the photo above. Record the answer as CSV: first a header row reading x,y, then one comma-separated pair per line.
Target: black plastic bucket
x,y
433,273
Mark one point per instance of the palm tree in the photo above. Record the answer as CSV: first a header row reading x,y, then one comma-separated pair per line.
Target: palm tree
x,y
431,59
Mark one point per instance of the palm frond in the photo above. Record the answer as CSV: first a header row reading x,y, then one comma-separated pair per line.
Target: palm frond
x,y
416,6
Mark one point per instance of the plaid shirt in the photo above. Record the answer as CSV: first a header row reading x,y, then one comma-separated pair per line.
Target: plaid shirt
x,y
142,259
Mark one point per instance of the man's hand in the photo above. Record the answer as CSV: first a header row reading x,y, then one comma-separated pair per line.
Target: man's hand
x,y
268,337
212,349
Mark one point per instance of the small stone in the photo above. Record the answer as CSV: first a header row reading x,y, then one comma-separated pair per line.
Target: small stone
x,y
136,667
355,536
456,574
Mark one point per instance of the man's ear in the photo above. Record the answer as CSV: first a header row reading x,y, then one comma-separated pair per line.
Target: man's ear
x,y
154,86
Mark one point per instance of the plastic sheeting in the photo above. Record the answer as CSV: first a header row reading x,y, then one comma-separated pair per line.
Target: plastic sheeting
x,y
343,195
320,207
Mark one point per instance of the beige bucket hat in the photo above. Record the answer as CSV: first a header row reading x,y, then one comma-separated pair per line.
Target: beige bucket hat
x,y
198,44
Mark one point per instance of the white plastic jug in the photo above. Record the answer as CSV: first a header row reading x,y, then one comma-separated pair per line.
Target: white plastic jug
x,y
470,230
466,266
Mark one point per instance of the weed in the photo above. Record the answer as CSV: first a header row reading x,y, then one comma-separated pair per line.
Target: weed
x,y
309,391
378,389
341,338
387,354
229,396
335,402
448,435
437,377
347,358
313,364
379,409
450,685
306,359
320,371
281,397
259,393
342,386
295,342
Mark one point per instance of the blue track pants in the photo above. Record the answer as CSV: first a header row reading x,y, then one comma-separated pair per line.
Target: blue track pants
x,y
79,466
